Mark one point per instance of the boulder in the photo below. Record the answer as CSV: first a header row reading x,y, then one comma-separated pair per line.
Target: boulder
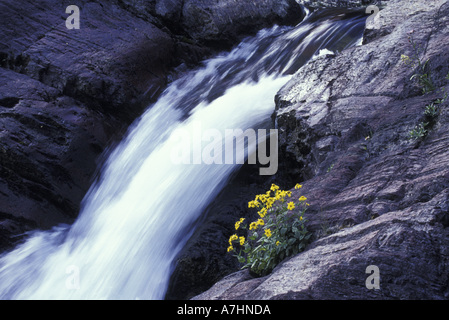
x,y
218,23
317,4
222,22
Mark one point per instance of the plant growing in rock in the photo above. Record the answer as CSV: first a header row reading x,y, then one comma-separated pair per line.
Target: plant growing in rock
x,y
419,131
279,231
432,110
422,72
431,113
444,98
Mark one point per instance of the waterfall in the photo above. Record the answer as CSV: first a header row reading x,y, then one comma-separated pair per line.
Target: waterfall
x,y
155,184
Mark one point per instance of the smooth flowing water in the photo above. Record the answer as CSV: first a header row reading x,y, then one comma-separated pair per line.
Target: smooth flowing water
x,y
139,214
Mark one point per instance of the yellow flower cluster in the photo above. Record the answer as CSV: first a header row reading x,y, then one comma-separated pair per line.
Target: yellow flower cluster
x,y
268,233
238,223
267,200
277,232
253,204
264,203
255,224
234,237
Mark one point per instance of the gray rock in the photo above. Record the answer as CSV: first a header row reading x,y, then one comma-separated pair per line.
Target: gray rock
x,y
221,22
316,4
218,23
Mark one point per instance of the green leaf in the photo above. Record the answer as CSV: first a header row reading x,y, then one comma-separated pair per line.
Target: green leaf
x,y
283,231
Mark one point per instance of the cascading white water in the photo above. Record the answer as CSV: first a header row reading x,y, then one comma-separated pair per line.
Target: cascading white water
x,y
137,217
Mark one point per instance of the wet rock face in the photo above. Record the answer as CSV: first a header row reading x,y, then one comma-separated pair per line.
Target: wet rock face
x,y
66,95
377,197
218,23
105,64
225,21
48,151
315,4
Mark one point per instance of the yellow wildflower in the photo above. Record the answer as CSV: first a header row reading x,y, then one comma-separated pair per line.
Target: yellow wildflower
x,y
268,233
232,238
260,222
252,226
277,243
270,202
300,218
281,194
237,224
230,248
262,212
242,241
274,187
253,204
302,198
290,206
262,198
298,186
278,195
